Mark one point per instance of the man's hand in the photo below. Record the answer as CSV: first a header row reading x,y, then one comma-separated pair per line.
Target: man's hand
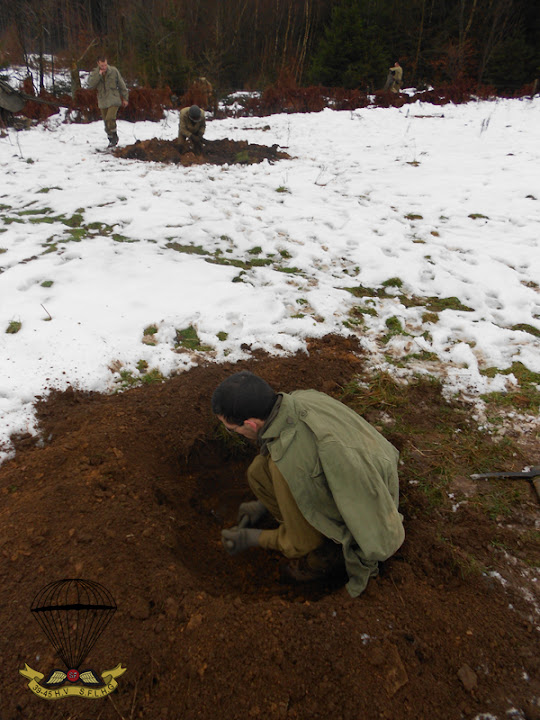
x,y
235,540
253,510
124,103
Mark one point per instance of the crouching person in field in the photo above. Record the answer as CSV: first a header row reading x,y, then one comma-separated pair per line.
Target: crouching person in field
x,y
323,472
192,127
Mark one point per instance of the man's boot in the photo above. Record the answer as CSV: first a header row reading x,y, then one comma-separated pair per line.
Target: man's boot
x,y
113,140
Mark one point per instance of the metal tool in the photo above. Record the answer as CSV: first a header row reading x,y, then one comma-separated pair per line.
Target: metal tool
x,y
533,474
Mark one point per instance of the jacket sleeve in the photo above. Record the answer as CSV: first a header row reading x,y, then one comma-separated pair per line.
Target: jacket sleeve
x,y
93,78
364,501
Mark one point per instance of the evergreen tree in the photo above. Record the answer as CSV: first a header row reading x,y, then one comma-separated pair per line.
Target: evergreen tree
x,y
351,54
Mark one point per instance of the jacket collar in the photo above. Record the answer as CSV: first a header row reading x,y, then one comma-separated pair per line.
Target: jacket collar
x,y
281,423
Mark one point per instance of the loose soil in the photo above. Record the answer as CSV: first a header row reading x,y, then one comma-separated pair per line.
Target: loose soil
x,y
132,490
214,152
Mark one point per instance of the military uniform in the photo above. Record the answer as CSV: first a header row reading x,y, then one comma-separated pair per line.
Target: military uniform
x,y
111,91
330,479
394,81
190,129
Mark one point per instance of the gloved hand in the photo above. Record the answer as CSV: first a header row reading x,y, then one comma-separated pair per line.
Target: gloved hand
x,y
254,510
236,540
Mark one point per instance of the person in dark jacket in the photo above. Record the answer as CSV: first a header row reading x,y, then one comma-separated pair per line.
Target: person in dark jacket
x,y
323,472
112,93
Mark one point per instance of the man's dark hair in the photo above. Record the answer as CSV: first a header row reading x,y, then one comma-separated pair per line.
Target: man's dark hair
x,y
242,396
102,58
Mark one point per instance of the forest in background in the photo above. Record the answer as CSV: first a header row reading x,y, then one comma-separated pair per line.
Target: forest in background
x,y
249,44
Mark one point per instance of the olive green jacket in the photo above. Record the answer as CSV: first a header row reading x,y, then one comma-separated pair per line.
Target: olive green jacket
x,y
188,127
343,476
111,88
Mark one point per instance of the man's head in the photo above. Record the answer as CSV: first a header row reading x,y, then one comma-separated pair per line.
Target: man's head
x,y
243,402
102,63
194,113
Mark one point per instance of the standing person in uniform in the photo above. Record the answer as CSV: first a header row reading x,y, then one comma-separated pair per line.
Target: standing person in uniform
x,y
112,94
192,127
324,473
394,80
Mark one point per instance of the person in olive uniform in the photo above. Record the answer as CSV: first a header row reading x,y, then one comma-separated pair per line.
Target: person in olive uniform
x,y
112,93
323,472
192,127
394,80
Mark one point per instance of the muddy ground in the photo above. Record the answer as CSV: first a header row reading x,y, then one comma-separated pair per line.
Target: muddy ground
x,y
214,152
132,490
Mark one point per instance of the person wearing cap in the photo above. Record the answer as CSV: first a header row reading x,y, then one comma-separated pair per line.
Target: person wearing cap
x,y
394,80
112,93
324,473
192,127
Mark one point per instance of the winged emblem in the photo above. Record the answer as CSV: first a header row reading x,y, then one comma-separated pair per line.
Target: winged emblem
x,y
89,677
56,677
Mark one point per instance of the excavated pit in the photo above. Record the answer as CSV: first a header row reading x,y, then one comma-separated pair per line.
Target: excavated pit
x,y
131,490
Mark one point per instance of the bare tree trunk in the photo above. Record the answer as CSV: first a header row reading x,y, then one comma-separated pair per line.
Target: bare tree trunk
x,y
419,44
41,50
305,41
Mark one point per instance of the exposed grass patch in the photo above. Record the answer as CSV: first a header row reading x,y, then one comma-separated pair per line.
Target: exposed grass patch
x,y
222,335
76,234
438,441
45,219
152,377
148,335
242,158
3,250
527,328
478,216
291,270
394,328
356,316
414,216
393,282
187,249
255,250
282,189
45,190
13,327
123,239
43,211
50,248
430,317
47,283
526,398
74,221
188,338
435,304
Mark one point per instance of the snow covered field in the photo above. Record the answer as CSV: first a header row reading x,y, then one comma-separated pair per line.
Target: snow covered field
x,y
443,202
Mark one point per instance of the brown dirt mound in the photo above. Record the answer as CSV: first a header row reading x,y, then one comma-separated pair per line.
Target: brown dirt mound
x,y
131,490
214,152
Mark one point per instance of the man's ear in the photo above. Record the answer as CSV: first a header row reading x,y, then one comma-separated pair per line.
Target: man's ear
x,y
254,423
